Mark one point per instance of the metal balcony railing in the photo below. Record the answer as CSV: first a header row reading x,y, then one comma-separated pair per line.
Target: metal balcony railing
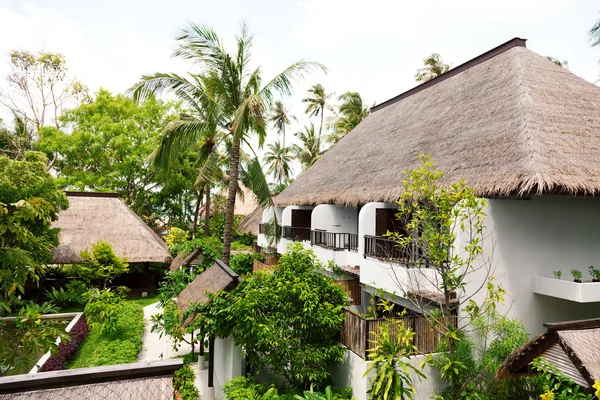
x,y
333,240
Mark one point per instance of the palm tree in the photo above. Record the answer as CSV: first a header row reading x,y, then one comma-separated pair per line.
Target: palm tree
x,y
564,63
351,112
310,149
595,34
278,159
280,118
231,86
433,67
317,103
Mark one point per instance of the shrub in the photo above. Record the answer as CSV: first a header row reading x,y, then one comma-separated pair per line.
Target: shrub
x,y
61,297
243,388
175,239
66,349
239,246
242,263
247,239
104,307
183,381
102,263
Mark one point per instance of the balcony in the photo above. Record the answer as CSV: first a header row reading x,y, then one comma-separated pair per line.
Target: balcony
x,y
295,233
334,241
357,333
587,292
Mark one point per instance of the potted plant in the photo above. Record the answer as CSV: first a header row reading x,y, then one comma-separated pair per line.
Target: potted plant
x,y
557,274
595,273
576,275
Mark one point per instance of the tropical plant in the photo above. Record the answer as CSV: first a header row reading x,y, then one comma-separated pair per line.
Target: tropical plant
x,y
101,263
16,141
595,273
104,307
62,297
577,275
433,67
242,263
230,86
278,161
281,118
351,112
595,34
309,149
183,383
171,323
317,104
557,386
557,274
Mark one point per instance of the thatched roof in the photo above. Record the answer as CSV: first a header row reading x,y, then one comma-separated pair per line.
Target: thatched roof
x,y
508,122
103,216
251,221
148,380
218,277
185,261
572,347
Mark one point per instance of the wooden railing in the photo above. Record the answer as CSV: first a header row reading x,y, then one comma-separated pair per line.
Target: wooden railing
x,y
353,289
260,266
358,333
295,233
334,241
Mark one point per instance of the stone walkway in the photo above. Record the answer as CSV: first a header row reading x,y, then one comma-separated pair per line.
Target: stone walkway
x,y
154,347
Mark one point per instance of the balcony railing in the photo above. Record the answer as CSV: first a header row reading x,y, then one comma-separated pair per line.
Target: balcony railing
x,y
334,241
295,233
388,249
358,332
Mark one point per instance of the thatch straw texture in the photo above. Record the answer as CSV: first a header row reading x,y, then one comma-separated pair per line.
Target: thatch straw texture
x,y
218,277
92,217
251,221
515,123
586,345
185,261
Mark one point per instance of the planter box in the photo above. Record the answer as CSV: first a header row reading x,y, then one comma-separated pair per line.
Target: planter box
x,y
586,292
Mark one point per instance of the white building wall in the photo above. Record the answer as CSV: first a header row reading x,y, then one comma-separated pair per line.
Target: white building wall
x,y
525,238
228,363
335,219
267,216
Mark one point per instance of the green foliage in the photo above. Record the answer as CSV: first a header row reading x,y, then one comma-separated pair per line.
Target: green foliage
x,y
173,284
183,382
102,263
170,323
328,394
120,346
557,274
577,275
392,380
175,239
212,248
555,382
287,320
29,203
64,298
595,273
104,307
107,148
243,388
241,263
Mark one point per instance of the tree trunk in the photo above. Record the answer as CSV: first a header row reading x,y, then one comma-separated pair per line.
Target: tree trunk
x,y
229,214
197,210
207,212
321,129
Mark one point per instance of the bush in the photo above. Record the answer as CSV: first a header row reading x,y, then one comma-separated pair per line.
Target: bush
x,y
247,239
175,239
239,246
102,263
104,307
66,349
242,263
183,382
243,388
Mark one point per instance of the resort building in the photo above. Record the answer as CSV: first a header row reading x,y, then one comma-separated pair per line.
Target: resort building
x,y
522,132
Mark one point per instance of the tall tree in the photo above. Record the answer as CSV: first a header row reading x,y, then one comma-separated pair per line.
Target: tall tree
x,y
433,67
15,142
238,90
317,103
309,149
351,112
281,118
278,160
595,34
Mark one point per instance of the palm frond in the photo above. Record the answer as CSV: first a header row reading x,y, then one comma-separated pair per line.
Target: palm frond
x,y
254,179
177,136
595,34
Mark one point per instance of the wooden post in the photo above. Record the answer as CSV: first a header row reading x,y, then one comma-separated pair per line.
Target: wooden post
x,y
211,361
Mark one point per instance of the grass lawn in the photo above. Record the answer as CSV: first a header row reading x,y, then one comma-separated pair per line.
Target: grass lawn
x,y
119,347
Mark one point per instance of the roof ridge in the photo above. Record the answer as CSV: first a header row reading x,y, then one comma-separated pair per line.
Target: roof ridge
x,y
514,42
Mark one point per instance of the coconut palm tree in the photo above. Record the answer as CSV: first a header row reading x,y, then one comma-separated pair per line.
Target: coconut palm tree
x,y
278,159
317,103
351,112
310,149
433,67
281,118
229,84
595,34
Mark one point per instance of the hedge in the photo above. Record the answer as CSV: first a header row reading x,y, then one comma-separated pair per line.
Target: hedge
x,y
66,349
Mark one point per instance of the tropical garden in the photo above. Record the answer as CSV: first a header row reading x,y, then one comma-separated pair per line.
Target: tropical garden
x,y
178,150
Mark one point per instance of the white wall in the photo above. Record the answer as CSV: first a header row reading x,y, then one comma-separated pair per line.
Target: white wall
x,y
525,238
267,216
335,219
286,215
228,363
350,371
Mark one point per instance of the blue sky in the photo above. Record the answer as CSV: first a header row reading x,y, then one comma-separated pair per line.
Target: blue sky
x,y
373,47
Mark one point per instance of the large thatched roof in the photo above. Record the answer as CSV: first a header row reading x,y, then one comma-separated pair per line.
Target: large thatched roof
x,y
251,221
103,216
572,347
508,122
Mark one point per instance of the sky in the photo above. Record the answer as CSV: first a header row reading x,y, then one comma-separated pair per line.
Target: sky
x,y
372,47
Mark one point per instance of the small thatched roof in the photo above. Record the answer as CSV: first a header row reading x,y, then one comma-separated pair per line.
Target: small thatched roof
x,y
103,216
251,221
508,122
185,261
218,277
572,347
